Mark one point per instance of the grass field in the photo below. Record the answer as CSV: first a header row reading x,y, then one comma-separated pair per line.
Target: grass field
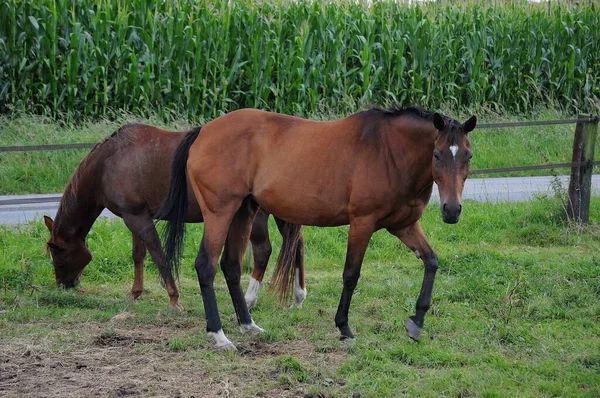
x,y
48,172
515,312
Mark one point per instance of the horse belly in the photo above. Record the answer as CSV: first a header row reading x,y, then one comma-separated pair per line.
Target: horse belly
x,y
303,192
297,205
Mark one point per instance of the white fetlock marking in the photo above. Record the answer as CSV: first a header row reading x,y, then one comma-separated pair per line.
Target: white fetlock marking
x,y
252,292
251,328
454,150
299,293
299,297
221,340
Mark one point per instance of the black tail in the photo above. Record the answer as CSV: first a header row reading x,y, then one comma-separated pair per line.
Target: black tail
x,y
290,257
174,208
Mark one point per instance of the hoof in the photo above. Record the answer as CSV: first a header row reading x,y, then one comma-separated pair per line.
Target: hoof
x,y
226,347
299,297
412,329
296,304
251,329
133,296
345,332
176,307
221,341
347,341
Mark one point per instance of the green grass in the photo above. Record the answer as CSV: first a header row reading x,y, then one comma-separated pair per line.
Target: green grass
x,y
515,312
48,172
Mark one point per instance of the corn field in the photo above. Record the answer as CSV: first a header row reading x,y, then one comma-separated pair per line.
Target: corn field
x,y
200,58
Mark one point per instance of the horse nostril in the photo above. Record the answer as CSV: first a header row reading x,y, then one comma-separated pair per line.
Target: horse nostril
x,y
459,208
444,207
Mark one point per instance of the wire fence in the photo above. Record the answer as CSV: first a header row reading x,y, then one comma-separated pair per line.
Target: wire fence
x,y
34,148
89,145
29,201
502,125
585,120
534,167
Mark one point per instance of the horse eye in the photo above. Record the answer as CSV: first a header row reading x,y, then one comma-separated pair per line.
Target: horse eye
x,y
470,157
436,155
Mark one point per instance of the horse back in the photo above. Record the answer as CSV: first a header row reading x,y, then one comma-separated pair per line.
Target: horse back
x,y
135,174
302,168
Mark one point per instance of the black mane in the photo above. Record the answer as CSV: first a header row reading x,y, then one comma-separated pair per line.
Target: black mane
x,y
399,110
72,194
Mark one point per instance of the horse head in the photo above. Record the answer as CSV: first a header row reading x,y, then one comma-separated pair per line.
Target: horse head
x,y
451,159
69,256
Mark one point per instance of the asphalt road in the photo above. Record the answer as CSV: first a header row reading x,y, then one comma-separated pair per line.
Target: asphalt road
x,y
508,189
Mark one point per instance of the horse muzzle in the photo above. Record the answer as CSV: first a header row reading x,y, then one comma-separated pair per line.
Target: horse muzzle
x,y
451,212
68,285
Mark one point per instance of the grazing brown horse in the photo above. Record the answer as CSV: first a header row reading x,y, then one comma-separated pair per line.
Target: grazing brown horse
x,y
372,170
128,173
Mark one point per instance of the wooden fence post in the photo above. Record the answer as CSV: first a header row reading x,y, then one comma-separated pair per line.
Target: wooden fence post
x,y
580,185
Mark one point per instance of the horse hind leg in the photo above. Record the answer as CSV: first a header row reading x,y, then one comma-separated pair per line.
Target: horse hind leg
x,y
299,284
138,255
299,281
261,250
231,263
142,226
216,228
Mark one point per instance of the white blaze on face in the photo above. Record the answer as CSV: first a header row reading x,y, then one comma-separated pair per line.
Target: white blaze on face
x,y
454,150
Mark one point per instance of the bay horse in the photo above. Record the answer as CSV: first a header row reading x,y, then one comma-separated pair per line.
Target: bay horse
x,y
128,173
374,169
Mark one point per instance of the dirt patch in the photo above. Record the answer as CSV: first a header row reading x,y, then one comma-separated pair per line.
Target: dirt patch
x,y
108,363
114,339
254,349
300,349
103,371
137,362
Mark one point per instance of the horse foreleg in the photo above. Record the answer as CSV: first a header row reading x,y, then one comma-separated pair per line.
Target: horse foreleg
x,y
143,227
261,250
413,237
358,240
138,254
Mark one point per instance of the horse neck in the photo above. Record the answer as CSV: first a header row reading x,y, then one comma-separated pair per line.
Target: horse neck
x,y
77,211
411,143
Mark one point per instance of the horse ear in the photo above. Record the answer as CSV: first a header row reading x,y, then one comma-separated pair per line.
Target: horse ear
x,y
438,121
54,246
470,124
49,223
